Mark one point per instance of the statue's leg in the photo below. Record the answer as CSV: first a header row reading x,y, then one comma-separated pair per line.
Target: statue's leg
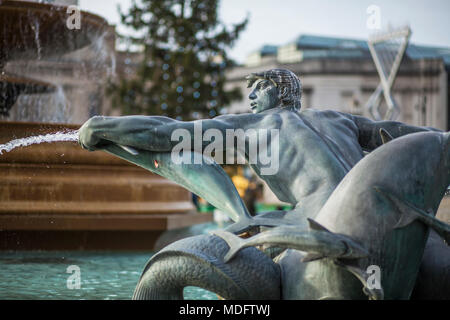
x,y
198,261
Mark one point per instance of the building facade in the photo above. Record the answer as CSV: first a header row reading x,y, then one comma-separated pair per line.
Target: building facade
x,y
339,74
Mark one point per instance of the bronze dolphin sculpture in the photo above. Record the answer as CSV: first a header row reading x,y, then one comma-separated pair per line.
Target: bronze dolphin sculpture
x,y
371,209
208,180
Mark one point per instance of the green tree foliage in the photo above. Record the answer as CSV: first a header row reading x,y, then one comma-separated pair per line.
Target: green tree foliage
x,y
184,47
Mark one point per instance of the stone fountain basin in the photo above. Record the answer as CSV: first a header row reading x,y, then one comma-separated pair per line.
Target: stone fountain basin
x,y
59,196
33,30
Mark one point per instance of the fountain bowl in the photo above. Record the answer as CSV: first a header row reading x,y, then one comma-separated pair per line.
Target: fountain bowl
x,y
38,30
13,86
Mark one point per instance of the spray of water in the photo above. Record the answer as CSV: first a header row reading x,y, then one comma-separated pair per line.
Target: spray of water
x,y
51,137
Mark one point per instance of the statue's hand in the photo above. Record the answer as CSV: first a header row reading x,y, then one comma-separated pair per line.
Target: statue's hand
x,y
87,137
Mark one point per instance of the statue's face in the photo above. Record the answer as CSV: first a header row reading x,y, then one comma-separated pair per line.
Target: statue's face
x,y
264,96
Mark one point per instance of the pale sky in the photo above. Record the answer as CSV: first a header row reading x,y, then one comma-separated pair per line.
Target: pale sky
x,y
279,22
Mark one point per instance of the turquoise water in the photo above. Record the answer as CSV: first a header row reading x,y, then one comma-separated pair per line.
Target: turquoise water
x,y
103,275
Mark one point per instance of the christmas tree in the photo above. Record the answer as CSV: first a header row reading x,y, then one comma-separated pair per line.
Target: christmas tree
x,y
184,47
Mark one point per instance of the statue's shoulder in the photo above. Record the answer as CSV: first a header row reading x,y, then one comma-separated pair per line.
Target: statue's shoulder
x,y
241,119
237,117
317,113
326,113
330,118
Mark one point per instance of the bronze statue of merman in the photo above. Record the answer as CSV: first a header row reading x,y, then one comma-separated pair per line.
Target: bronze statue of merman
x,y
322,172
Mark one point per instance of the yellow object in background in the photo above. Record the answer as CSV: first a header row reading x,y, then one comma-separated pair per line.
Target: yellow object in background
x,y
241,184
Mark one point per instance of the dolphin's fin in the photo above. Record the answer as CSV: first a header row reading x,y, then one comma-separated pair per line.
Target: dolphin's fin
x,y
441,228
410,213
407,210
312,256
385,136
372,293
314,225
405,220
234,242
246,224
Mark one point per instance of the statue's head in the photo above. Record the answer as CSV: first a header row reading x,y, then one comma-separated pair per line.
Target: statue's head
x,y
274,88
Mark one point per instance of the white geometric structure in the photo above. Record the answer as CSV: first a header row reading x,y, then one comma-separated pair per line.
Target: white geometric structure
x,y
387,51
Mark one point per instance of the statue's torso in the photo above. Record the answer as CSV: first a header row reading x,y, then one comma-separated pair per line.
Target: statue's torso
x,y
316,150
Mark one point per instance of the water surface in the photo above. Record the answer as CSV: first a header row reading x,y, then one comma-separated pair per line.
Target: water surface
x,y
109,275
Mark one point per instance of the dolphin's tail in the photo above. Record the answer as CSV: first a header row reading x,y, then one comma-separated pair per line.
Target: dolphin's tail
x,y
333,245
268,219
245,225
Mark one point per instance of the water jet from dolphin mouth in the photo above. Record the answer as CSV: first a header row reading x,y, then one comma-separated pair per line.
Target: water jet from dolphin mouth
x,y
68,136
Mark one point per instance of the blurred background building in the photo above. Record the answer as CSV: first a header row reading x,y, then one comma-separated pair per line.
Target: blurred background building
x,y
339,74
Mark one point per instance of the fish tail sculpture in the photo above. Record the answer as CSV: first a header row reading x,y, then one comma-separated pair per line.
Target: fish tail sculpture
x,y
198,261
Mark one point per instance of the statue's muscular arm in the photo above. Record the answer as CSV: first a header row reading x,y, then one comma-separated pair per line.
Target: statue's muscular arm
x,y
369,131
151,133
